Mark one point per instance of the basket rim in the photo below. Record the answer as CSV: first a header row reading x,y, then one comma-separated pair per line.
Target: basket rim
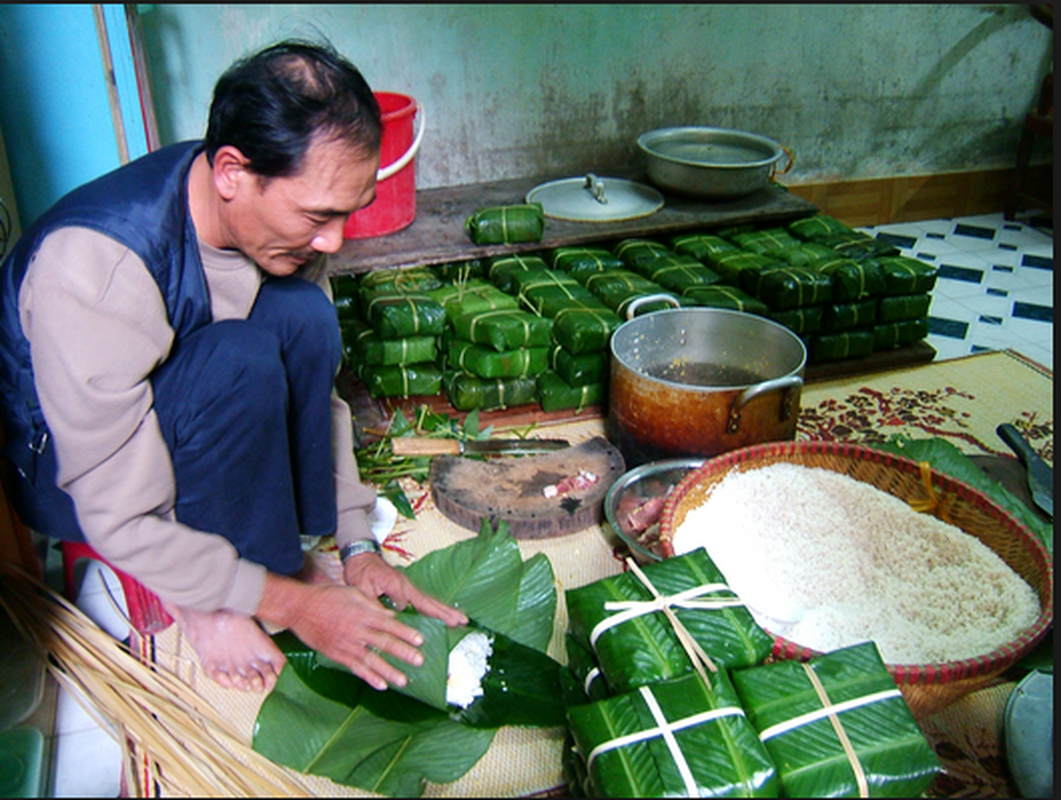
x,y
981,665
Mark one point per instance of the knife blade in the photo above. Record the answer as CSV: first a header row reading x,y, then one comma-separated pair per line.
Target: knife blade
x,y
414,446
1040,476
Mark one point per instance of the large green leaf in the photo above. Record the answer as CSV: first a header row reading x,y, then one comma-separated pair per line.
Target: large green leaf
x,y
323,720
299,728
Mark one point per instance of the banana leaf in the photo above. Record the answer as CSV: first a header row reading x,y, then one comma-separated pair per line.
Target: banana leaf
x,y
323,720
470,297
858,245
788,287
467,392
582,369
402,380
901,307
801,321
899,334
502,269
852,280
554,393
350,745
722,753
905,275
407,280
486,362
578,262
800,255
506,329
399,316
837,317
461,270
704,247
369,349
645,648
637,251
585,330
548,301
678,273
731,297
506,224
731,266
818,227
837,346
765,242
811,761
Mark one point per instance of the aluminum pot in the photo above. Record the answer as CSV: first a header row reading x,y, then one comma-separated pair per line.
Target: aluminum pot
x,y
712,163
700,382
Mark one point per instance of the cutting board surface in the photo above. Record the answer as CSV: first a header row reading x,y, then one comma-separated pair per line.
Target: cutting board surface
x,y
512,488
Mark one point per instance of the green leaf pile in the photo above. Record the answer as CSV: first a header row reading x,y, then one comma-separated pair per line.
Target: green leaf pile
x,y
320,719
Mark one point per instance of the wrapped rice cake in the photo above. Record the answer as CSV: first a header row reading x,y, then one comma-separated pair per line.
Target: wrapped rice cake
x,y
719,296
633,252
818,227
678,273
554,393
704,247
901,307
486,362
398,317
501,269
899,334
584,330
765,242
467,392
402,380
837,346
582,369
903,275
790,287
837,317
472,296
852,280
679,738
581,261
506,224
838,726
635,641
506,329
801,321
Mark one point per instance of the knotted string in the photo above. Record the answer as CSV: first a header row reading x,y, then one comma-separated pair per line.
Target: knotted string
x,y
936,503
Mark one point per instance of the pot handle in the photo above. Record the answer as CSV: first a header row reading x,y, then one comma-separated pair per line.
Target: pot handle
x,y
783,384
791,162
637,302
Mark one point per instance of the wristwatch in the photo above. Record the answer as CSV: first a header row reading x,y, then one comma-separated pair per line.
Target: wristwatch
x,y
357,547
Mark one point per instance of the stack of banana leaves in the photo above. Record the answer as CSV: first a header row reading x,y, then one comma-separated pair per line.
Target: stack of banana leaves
x,y
322,720
668,694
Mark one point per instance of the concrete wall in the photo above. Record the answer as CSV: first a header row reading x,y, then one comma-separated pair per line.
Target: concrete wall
x,y
855,91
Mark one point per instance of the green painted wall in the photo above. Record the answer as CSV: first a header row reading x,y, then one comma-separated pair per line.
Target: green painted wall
x,y
855,91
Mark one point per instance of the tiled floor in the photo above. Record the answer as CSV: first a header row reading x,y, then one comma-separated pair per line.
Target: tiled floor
x,y
995,290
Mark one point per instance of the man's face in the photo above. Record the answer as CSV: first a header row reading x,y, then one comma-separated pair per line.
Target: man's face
x,y
282,223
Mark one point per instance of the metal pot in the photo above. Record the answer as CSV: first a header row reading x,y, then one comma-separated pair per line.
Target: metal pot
x,y
700,382
713,163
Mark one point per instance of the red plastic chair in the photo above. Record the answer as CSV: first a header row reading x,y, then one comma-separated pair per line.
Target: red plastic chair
x,y
146,614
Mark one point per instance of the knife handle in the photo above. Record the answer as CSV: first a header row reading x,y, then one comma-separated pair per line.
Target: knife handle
x,y
415,446
1017,443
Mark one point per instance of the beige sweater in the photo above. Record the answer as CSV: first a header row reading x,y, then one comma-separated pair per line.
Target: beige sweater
x,y
97,327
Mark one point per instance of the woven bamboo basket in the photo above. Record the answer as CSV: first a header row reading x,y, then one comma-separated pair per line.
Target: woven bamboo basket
x,y
928,688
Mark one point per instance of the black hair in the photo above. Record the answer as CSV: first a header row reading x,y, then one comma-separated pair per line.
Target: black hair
x,y
273,103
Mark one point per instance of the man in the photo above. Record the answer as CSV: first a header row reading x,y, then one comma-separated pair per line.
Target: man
x,y
168,350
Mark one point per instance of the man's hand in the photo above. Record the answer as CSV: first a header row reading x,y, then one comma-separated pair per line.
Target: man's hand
x,y
349,624
375,577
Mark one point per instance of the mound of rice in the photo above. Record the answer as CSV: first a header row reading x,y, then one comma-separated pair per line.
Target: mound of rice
x,y
827,561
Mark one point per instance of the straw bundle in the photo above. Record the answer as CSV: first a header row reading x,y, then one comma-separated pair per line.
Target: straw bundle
x,y
170,737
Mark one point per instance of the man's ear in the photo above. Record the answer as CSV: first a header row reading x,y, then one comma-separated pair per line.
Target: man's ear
x,y
230,168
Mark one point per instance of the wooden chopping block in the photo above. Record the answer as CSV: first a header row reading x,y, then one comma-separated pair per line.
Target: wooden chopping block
x,y
510,488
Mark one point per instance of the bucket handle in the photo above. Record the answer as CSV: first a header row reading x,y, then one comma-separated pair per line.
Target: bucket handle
x,y
784,384
399,165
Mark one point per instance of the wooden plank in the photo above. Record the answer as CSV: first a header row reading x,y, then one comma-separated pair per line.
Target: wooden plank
x,y
437,234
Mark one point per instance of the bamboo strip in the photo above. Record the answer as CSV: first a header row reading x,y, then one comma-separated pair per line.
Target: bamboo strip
x,y
184,745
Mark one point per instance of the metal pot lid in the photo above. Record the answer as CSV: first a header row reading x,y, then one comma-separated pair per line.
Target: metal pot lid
x,y
593,199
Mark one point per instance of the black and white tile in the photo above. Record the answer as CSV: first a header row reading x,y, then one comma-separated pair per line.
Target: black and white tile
x,y
995,288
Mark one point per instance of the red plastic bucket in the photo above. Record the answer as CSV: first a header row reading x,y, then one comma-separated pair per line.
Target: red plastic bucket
x,y
395,205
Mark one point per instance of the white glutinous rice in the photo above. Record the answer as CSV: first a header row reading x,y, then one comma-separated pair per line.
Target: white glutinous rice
x,y
827,561
468,663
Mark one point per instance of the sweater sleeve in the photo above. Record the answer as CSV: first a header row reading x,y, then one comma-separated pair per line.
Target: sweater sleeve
x,y
354,500
97,327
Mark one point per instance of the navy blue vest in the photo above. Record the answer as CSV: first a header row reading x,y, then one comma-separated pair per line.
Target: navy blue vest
x,y
144,206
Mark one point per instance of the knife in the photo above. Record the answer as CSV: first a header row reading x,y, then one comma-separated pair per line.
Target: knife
x,y
1040,476
425,446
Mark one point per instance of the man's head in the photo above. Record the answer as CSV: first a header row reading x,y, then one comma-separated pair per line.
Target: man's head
x,y
293,147
272,105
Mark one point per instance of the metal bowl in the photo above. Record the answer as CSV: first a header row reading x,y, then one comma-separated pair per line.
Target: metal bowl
x,y
715,163
651,481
